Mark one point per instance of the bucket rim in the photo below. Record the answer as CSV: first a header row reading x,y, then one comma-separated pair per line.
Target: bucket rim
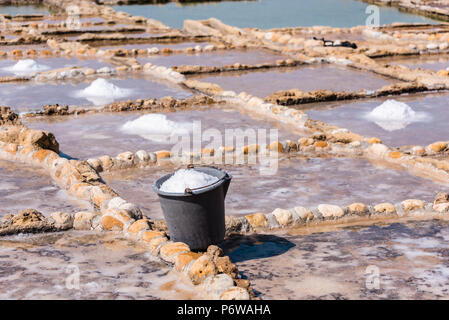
x,y
226,176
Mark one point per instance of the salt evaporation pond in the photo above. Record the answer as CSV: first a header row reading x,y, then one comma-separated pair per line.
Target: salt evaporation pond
x,y
23,10
31,96
430,62
266,14
410,258
23,187
214,58
30,66
170,45
109,265
305,78
426,124
297,182
87,136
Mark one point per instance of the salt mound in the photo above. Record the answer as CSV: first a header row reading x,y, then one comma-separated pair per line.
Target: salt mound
x,y
187,178
102,92
26,67
157,127
394,115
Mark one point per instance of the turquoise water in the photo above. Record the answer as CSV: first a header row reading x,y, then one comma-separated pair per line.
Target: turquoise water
x,y
267,14
26,9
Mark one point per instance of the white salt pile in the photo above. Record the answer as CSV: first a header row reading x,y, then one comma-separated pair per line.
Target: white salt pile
x,y
26,67
157,128
394,115
102,92
187,178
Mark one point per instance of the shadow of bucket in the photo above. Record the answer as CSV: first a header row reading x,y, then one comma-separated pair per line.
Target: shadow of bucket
x,y
197,216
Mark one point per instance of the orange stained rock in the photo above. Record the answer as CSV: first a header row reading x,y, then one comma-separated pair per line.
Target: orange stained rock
x,y
257,220
150,235
321,144
110,223
276,146
207,152
183,259
139,225
45,53
162,154
374,140
395,154
201,268
41,154
357,208
16,53
253,148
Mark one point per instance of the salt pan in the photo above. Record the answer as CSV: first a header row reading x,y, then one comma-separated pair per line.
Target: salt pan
x,y
394,115
156,127
102,92
26,67
187,178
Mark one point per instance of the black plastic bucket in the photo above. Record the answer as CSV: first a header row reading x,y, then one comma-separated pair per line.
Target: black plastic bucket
x,y
197,216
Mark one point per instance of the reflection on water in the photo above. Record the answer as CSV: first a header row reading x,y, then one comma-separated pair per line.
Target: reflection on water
x,y
266,14
410,260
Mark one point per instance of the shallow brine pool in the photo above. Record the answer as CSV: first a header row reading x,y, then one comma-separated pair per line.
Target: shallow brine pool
x,y
85,265
23,187
397,261
267,14
31,96
87,136
304,78
30,66
430,62
398,121
173,46
214,59
297,182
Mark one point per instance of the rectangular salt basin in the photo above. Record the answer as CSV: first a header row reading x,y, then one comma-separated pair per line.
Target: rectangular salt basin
x,y
410,256
305,78
215,58
23,187
111,267
422,120
430,62
298,182
173,46
31,96
266,14
88,136
30,66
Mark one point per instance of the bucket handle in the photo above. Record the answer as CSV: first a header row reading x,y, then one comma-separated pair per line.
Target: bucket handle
x,y
190,191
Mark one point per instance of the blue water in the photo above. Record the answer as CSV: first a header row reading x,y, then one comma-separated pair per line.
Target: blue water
x,y
25,9
267,14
